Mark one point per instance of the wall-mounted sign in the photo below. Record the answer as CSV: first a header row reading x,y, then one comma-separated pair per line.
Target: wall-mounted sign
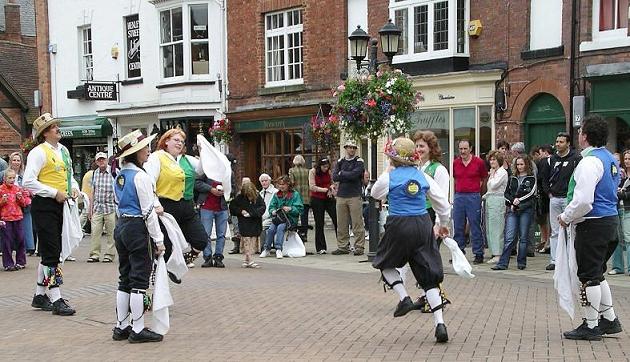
x,y
132,25
100,92
430,119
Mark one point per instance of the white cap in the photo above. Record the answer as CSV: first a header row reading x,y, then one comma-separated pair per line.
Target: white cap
x,y
100,155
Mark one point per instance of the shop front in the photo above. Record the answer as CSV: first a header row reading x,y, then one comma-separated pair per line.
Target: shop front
x,y
84,137
610,98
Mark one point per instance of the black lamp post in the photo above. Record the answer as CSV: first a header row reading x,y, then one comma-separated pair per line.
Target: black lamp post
x,y
359,39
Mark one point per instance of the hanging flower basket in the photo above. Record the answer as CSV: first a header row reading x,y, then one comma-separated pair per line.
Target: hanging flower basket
x,y
221,131
325,131
376,104
27,145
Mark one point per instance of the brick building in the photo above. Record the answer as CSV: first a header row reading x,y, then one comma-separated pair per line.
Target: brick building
x,y
284,59
18,72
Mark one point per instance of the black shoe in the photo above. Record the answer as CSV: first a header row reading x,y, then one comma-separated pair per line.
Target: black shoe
x,y
521,267
174,278
209,263
42,302
121,334
499,267
218,261
478,260
190,257
340,252
550,267
145,335
30,252
441,335
583,332
404,306
358,252
609,327
236,250
61,307
531,254
422,304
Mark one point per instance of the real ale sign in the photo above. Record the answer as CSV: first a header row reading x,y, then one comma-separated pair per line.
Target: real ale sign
x,y
101,92
132,24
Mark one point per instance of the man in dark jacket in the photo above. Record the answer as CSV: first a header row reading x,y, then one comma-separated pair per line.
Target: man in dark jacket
x,y
561,167
542,211
349,174
213,210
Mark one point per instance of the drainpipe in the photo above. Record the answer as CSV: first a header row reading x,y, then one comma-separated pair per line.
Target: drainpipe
x,y
574,39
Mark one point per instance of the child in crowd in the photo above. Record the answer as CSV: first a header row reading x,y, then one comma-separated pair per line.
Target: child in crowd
x,y
12,199
249,208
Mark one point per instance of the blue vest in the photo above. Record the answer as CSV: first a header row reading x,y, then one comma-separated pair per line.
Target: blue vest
x,y
125,189
407,192
605,202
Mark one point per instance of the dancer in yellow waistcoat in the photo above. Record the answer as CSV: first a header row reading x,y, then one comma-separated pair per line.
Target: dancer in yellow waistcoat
x,y
174,174
48,176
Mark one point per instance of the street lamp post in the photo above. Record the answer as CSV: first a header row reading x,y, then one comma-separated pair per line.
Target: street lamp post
x,y
359,40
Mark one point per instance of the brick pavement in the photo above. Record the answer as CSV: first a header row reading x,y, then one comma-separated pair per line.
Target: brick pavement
x,y
314,308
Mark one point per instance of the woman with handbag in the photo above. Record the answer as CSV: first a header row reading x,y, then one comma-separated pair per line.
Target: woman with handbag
x,y
286,206
322,201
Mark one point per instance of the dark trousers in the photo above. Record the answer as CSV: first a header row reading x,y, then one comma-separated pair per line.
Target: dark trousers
x,y
304,215
184,212
595,242
13,234
135,254
48,219
320,206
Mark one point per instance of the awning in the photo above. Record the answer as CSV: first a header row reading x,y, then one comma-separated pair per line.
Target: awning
x,y
611,97
96,127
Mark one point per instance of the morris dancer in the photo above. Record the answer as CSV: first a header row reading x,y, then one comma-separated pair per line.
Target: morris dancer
x,y
592,206
137,221
48,176
408,234
174,174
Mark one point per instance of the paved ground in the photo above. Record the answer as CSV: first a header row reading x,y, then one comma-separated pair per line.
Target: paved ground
x,y
315,308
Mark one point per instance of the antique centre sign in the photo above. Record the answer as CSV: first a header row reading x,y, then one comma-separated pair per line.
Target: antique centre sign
x,y
101,92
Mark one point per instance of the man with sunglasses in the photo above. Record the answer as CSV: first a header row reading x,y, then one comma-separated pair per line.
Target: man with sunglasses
x,y
561,167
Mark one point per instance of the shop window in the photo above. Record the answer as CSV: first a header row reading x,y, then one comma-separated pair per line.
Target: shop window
x,y
87,59
199,38
610,25
436,121
545,24
284,61
431,29
485,129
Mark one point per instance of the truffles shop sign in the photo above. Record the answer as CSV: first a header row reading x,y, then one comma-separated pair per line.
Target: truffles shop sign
x,y
101,92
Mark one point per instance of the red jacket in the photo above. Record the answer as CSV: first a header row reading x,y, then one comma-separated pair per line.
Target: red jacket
x,y
11,208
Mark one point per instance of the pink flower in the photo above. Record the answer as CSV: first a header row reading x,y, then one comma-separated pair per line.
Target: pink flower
x,y
341,88
370,103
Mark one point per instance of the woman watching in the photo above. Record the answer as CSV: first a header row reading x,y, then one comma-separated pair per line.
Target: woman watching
x,y
322,200
16,163
298,175
624,212
495,205
286,206
431,164
519,197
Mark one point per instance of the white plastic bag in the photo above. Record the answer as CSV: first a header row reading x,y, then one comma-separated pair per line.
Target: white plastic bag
x,y
293,247
71,232
460,264
162,298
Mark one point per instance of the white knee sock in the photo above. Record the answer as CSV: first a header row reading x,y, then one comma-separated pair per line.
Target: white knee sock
x,y
122,309
434,298
136,302
39,289
591,312
391,276
605,305
54,294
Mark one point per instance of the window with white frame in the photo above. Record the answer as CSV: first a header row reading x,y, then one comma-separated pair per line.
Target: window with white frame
x,y
87,59
545,24
199,38
431,29
172,42
284,62
609,25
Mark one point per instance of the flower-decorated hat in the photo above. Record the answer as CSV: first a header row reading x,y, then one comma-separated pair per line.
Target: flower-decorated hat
x,y
43,122
133,142
402,150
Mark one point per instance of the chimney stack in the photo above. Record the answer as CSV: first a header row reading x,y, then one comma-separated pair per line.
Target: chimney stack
x,y
13,27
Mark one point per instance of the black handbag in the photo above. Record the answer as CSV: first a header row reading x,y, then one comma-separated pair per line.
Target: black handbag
x,y
281,217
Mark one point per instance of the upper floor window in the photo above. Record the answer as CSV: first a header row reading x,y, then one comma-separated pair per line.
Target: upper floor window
x,y
610,25
431,29
284,62
86,59
545,24
184,41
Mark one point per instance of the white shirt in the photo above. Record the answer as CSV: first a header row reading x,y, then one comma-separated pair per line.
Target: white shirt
x,y
35,161
267,195
497,182
152,166
439,200
146,196
441,177
587,175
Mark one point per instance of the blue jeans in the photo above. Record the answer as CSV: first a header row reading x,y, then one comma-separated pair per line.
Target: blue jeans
x,y
220,219
518,221
624,238
467,205
275,233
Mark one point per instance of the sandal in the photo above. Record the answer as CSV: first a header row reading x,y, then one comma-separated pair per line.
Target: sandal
x,y
245,264
92,259
253,265
107,260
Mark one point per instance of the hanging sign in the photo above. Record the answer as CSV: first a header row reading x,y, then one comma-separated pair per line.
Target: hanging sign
x,y
132,25
100,92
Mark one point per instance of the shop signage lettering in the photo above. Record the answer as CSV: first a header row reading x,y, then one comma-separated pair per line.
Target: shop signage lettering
x,y
100,92
275,124
432,120
133,46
